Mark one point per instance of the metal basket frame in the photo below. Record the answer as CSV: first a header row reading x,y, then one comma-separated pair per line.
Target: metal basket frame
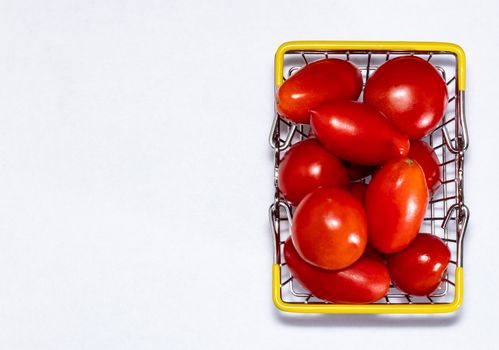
x,y
449,140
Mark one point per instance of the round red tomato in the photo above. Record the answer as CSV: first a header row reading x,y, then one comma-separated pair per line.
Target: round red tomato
x,y
410,92
330,228
365,281
422,153
358,189
357,133
307,166
315,83
395,203
418,269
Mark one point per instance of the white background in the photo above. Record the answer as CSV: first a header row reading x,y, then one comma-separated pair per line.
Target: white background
x,y
135,173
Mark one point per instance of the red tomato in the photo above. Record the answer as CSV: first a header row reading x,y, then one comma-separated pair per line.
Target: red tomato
x,y
366,281
315,83
395,203
418,269
308,166
330,228
358,172
422,153
410,92
358,133
358,189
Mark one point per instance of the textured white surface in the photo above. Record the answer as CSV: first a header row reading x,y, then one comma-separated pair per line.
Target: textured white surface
x,y
135,174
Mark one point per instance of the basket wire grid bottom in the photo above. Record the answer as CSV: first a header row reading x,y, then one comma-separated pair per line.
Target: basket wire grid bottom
x,y
446,215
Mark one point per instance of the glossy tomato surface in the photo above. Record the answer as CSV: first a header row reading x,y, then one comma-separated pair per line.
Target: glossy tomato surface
x,y
319,81
356,132
307,166
330,228
410,92
358,190
358,172
395,203
422,153
418,269
365,281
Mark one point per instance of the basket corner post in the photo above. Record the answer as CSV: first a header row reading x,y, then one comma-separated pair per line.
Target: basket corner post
x,y
459,292
276,289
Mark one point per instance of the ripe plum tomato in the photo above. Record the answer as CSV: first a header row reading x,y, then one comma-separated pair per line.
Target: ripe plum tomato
x,y
358,133
418,269
365,281
410,92
395,203
317,82
330,228
425,156
307,166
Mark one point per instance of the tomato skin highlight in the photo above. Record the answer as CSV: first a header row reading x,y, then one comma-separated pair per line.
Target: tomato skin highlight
x,y
395,203
422,153
307,166
418,269
366,281
315,83
410,92
330,228
358,133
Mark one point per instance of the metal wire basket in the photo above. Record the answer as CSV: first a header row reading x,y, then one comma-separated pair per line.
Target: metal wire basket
x,y
446,216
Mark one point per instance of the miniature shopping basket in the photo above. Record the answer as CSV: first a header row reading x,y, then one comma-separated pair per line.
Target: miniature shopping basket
x,y
446,216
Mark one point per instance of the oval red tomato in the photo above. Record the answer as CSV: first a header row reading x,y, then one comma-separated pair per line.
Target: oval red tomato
x,y
357,133
330,228
395,203
410,92
315,83
366,281
418,269
358,190
307,166
422,153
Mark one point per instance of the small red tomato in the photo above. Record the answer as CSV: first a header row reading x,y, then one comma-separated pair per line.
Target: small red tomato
x,y
422,153
358,133
330,228
358,189
410,92
358,172
395,203
418,269
366,281
315,83
307,166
